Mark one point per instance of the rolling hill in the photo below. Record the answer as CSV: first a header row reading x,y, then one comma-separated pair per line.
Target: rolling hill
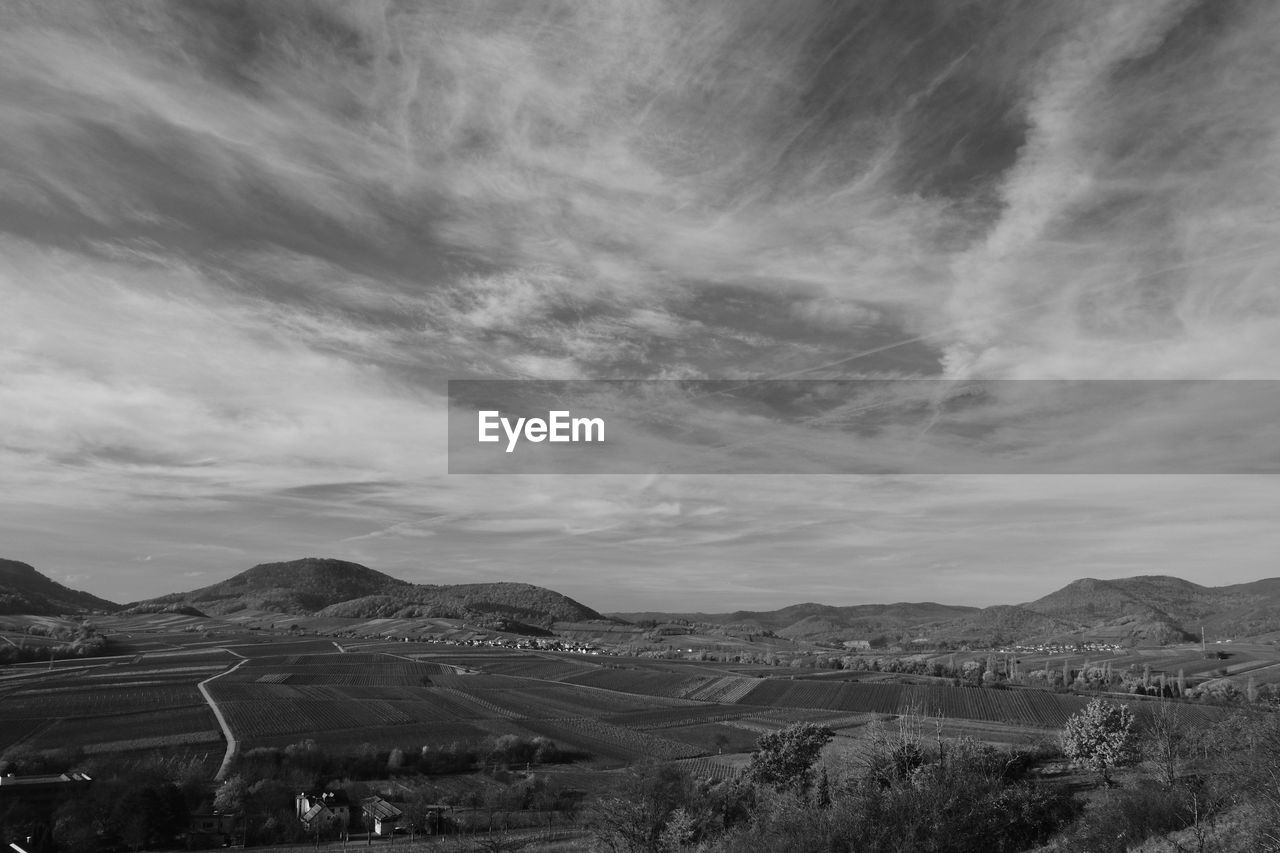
x,y
327,587
1154,609
25,590
1150,609
1161,608
821,622
298,586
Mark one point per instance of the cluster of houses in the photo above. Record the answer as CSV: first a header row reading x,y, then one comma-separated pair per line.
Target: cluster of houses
x,y
539,643
333,810
1062,648
318,812
481,641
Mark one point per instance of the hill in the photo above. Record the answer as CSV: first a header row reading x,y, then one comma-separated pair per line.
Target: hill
x,y
25,590
1148,609
819,622
327,587
298,586
1003,623
1155,608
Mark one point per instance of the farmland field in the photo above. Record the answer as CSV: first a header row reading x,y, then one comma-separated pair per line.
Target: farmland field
x,y
111,708
83,698
714,767
674,717
81,731
650,683
1016,706
714,737
277,689
613,741
16,730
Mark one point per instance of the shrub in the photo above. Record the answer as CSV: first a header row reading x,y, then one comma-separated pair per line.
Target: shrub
x,y
1102,737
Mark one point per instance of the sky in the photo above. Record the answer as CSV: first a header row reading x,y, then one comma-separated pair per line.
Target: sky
x,y
244,247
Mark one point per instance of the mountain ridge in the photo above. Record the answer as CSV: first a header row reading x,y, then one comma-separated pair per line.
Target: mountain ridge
x,y
23,589
1143,608
331,587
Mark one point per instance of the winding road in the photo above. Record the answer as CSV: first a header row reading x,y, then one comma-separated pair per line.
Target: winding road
x,y
222,721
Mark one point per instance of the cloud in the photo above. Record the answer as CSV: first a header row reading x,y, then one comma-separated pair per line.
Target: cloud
x,y
1132,238
244,248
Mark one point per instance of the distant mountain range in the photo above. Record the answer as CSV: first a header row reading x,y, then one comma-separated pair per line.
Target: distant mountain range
x,y
1151,609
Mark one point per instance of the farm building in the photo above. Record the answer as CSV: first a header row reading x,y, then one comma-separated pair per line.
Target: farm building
x,y
380,816
324,809
439,818
207,827
857,645
41,791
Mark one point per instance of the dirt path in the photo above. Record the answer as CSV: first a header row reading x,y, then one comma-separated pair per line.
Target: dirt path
x,y
222,721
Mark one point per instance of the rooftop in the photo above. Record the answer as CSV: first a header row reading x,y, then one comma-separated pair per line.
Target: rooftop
x,y
379,808
48,779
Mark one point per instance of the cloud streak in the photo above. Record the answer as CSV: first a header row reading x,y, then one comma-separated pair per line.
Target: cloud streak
x,y
244,247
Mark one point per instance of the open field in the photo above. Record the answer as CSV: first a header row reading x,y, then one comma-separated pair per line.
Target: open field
x,y
344,693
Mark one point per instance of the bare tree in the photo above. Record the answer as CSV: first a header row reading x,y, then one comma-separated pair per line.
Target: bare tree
x,y
1168,744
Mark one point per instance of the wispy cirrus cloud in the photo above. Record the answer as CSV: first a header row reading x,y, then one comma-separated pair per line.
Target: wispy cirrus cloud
x,y
245,246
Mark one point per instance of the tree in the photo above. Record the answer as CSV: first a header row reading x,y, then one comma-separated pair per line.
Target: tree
x,y
230,796
823,796
1168,744
1102,737
648,797
678,831
786,757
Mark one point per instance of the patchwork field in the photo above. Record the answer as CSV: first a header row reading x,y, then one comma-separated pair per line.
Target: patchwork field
x,y
278,689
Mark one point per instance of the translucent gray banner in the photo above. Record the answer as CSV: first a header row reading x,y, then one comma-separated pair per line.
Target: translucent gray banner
x,y
864,426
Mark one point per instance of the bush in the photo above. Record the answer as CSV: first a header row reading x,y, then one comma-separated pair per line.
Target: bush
x,y
1128,816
